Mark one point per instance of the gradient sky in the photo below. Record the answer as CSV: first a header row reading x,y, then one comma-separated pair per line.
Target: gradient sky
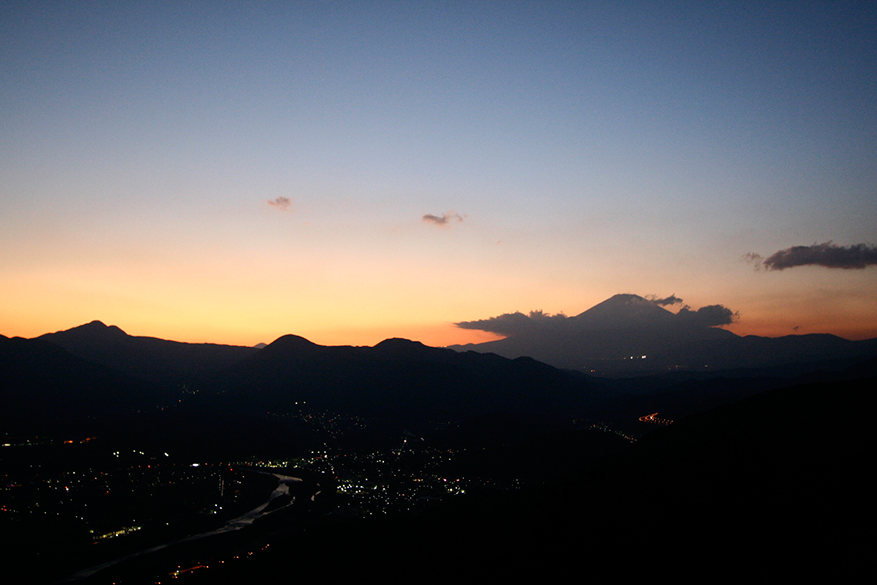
x,y
576,149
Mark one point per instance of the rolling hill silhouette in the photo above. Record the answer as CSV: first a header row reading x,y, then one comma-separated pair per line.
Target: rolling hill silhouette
x,y
213,398
98,369
398,380
47,389
148,358
789,465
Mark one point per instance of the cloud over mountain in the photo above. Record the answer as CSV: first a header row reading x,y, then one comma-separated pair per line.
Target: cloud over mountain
x,y
827,254
709,316
671,300
517,323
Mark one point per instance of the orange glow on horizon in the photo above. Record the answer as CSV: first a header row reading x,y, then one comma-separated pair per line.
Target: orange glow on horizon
x,y
435,335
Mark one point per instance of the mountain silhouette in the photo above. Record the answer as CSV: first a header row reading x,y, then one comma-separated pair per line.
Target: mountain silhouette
x,y
789,465
210,391
47,389
147,358
187,393
397,380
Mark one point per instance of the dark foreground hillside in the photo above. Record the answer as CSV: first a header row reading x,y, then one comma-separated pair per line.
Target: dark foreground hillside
x,y
779,484
100,464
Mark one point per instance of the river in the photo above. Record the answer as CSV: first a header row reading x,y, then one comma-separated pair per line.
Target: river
x,y
243,521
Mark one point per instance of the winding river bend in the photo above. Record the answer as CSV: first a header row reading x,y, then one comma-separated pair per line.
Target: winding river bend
x,y
282,489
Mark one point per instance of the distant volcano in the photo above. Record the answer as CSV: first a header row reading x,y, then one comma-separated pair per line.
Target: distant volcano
x,y
629,333
625,308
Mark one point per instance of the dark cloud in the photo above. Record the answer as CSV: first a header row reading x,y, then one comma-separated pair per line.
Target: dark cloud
x,y
709,316
755,259
510,324
442,220
281,203
671,300
827,254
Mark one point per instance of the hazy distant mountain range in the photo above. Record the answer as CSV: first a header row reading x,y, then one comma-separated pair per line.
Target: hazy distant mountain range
x,y
629,334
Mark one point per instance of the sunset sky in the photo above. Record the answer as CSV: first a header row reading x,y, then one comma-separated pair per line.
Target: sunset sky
x,y
350,171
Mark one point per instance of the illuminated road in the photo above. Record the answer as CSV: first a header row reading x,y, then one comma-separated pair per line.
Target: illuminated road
x,y
230,526
653,419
